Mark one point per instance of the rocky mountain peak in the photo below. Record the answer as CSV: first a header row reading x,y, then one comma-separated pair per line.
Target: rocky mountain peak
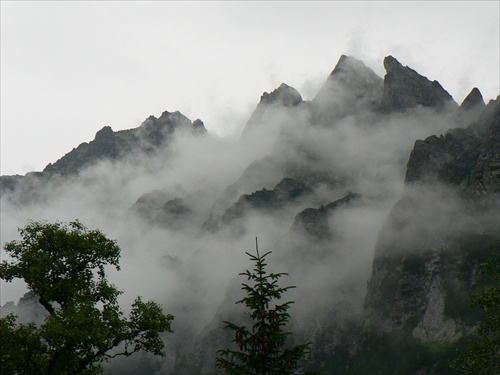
x,y
343,62
467,159
404,88
391,64
474,99
152,135
470,109
105,133
349,68
284,95
283,98
313,222
199,126
174,118
351,87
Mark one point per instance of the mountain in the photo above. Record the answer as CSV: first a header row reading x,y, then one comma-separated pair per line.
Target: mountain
x,y
270,105
351,87
151,137
404,88
437,232
153,134
380,197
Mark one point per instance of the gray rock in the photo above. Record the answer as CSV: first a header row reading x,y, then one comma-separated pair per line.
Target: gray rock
x,y
404,89
153,135
271,105
351,87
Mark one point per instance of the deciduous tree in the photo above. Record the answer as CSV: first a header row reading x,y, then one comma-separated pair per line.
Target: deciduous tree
x,y
65,266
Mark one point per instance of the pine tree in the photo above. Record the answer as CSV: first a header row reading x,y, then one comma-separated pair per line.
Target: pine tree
x,y
262,348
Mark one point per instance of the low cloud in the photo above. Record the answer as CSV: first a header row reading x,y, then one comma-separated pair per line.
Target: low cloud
x,y
188,269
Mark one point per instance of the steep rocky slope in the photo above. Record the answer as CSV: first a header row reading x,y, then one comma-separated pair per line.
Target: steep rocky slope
x,y
445,225
153,136
329,198
404,88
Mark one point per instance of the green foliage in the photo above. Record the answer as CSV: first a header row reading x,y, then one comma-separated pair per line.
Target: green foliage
x,y
262,347
19,346
65,266
482,353
394,353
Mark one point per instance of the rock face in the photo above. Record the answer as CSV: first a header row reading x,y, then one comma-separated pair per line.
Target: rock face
x,y
433,327
470,109
286,191
150,139
447,221
153,135
465,158
271,105
313,222
473,100
404,88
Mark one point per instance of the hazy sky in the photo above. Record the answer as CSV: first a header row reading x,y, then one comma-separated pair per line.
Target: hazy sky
x,y
69,68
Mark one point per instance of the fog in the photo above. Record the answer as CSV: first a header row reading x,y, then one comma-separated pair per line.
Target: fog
x,y
189,269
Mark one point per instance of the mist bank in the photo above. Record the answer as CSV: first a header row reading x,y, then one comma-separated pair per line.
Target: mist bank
x,y
315,181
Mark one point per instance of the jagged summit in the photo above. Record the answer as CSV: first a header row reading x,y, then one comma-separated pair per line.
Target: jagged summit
x,y
404,88
313,222
470,109
429,247
351,87
342,63
197,204
391,64
466,158
349,68
474,99
152,135
172,121
284,97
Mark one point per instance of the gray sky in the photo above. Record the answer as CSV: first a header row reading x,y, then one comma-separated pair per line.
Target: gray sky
x,y
69,68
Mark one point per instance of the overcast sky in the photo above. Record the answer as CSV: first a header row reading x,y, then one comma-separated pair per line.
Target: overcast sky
x,y
69,68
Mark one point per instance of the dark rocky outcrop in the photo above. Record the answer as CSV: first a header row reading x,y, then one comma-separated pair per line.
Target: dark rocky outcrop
x,y
313,222
404,89
468,159
473,100
285,192
270,107
135,145
434,238
470,109
153,135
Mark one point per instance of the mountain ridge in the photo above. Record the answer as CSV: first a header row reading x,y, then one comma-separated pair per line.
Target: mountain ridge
x,y
378,196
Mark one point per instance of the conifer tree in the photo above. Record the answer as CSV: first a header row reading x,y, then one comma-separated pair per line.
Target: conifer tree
x,y
262,349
